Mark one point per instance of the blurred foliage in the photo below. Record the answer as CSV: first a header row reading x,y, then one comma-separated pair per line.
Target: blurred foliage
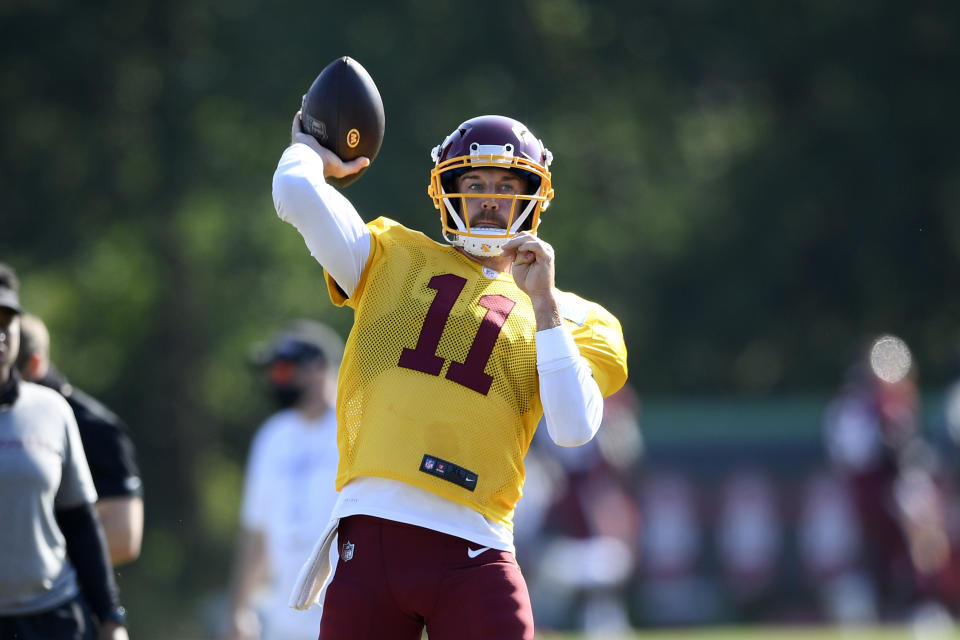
x,y
752,188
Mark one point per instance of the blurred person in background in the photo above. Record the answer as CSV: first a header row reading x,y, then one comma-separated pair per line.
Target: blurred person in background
x,y
874,441
289,490
584,553
456,351
106,442
951,407
828,541
673,587
749,533
951,433
55,568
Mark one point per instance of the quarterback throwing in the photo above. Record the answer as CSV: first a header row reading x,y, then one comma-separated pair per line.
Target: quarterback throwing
x,y
457,350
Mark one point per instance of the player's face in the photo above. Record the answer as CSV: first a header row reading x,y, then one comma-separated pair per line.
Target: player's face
x,y
498,210
9,341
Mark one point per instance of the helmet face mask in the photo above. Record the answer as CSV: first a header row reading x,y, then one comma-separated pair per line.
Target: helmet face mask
x,y
495,142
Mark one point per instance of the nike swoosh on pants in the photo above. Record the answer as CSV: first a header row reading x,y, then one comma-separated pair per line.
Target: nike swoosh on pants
x,y
473,553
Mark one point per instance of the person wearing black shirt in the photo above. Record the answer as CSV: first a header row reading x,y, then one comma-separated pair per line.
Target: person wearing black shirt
x,y
106,441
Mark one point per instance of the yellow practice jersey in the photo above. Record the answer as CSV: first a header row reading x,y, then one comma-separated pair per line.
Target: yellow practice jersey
x,y
438,387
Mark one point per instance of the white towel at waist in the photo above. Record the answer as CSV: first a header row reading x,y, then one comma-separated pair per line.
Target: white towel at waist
x,y
316,572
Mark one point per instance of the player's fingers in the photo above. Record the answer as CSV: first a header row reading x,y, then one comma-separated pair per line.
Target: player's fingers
x,y
526,241
296,127
525,257
358,163
511,245
351,167
532,247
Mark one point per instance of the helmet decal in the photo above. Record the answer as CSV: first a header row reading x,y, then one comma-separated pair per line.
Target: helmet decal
x,y
503,152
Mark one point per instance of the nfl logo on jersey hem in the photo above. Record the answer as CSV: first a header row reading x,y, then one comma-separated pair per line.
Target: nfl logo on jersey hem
x,y
448,471
346,551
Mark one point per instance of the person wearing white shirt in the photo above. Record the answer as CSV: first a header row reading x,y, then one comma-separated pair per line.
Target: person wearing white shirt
x,y
289,487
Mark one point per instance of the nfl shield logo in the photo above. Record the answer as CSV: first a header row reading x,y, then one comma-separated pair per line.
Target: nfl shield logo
x,y
346,551
428,464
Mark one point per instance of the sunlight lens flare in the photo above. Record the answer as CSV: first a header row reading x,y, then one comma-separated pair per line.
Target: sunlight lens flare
x,y
890,359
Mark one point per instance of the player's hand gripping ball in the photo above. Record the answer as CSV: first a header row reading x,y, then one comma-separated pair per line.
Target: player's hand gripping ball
x,y
344,112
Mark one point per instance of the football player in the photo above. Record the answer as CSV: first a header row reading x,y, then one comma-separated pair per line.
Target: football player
x,y
456,351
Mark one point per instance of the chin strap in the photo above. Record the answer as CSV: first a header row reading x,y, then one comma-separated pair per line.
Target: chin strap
x,y
480,246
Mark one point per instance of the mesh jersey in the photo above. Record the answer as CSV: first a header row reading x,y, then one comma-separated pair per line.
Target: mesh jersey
x,y
441,362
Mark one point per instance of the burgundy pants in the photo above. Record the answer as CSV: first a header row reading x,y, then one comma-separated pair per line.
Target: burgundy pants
x,y
392,579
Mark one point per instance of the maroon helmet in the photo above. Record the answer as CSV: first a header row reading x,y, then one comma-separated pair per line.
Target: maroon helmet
x,y
498,142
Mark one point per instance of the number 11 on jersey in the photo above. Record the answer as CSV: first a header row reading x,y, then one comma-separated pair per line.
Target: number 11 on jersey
x,y
469,373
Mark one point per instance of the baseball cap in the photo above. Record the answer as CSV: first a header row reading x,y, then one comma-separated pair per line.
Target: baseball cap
x,y
300,341
9,298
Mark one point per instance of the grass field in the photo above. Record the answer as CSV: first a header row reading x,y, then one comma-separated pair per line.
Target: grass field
x,y
775,633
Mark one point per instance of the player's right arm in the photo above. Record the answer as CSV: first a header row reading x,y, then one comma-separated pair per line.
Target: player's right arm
x,y
334,232
112,459
250,570
251,564
122,519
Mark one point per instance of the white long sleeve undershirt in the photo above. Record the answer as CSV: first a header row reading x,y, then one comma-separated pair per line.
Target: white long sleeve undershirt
x,y
334,232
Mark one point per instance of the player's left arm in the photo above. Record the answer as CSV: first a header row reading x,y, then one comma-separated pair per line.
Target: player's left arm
x,y
579,363
581,355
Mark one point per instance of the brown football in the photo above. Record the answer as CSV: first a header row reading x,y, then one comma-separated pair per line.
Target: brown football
x,y
344,112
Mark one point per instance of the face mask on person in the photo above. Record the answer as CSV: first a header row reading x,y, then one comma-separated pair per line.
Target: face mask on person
x,y
283,383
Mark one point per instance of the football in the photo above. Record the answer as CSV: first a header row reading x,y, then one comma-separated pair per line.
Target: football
x,y
344,112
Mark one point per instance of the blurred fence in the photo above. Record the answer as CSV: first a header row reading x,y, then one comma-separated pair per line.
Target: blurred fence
x,y
728,512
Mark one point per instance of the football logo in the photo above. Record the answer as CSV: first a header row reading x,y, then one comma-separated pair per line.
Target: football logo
x,y
346,551
353,138
318,128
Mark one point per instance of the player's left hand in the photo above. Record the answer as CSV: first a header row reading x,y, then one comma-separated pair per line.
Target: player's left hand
x,y
533,269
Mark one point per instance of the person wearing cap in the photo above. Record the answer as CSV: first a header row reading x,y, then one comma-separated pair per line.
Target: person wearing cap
x,y
289,486
106,442
55,568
